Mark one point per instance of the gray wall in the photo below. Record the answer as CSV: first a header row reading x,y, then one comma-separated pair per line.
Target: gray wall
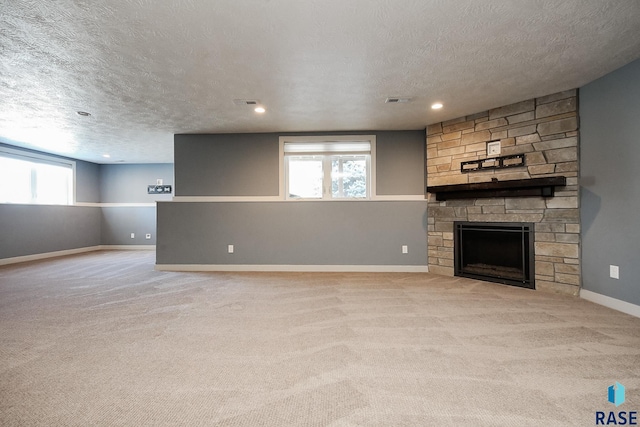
x,y
35,229
289,233
226,165
292,233
610,180
247,164
87,182
117,224
401,162
128,184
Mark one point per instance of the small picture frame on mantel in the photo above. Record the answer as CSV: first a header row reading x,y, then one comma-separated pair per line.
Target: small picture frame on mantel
x,y
493,148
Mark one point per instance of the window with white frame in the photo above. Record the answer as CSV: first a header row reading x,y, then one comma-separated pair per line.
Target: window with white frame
x,y
35,179
328,168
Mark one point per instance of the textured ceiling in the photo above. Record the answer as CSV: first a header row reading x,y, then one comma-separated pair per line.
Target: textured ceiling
x,y
148,69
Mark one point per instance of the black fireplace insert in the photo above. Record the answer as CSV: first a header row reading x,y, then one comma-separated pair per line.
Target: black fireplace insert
x,y
499,252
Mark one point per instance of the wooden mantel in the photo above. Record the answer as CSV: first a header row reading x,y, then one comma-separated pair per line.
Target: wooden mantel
x,y
534,187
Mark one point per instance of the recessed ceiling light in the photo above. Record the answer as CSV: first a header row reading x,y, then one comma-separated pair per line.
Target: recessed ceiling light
x,y
436,106
106,155
83,113
259,110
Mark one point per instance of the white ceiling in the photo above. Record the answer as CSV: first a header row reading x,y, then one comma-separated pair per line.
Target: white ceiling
x,y
148,69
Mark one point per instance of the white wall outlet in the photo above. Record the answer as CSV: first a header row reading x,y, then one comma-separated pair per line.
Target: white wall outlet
x,y
147,236
133,235
405,249
614,272
230,249
159,181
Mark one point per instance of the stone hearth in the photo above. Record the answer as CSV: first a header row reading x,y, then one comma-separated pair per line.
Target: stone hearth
x,y
545,130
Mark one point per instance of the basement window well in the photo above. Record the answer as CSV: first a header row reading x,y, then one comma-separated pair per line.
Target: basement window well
x,y
328,168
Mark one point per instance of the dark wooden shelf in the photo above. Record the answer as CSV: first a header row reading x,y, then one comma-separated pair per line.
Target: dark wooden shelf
x,y
534,187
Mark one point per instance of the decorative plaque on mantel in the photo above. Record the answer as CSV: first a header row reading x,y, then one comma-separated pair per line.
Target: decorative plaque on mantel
x,y
501,162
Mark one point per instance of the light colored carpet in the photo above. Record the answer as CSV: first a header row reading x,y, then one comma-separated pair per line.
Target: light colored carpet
x,y
103,339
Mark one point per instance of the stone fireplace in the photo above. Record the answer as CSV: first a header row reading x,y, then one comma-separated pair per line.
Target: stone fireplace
x,y
545,130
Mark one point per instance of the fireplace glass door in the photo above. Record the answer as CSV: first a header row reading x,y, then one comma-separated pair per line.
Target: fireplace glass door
x,y
496,252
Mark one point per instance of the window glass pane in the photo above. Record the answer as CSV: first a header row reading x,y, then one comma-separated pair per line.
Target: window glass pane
x,y
328,147
318,168
305,177
53,184
349,176
15,181
23,180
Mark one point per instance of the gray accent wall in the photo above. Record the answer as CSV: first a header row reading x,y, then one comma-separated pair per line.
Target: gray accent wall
x,y
117,224
87,182
127,183
290,232
610,183
39,229
293,233
401,161
36,229
227,165
248,164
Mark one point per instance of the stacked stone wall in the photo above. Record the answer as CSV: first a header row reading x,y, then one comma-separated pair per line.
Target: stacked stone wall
x,y
545,130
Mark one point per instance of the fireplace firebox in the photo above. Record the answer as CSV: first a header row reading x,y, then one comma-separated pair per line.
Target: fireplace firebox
x,y
496,252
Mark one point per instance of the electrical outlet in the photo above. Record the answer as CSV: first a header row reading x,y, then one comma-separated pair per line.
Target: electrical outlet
x,y
147,236
230,249
133,235
405,249
614,272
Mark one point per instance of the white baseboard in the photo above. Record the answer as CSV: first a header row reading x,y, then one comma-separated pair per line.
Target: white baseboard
x,y
296,268
616,304
115,205
36,257
128,247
